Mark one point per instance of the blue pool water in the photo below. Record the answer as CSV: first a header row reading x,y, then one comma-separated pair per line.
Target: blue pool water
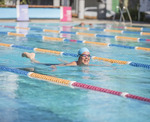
x,y
23,99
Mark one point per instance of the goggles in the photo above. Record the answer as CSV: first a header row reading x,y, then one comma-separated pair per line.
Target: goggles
x,y
84,55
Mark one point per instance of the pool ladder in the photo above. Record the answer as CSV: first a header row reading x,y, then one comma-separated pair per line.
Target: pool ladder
x,y
123,10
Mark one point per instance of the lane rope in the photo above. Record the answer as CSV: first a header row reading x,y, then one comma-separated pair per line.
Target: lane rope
x,y
118,38
71,84
96,43
79,41
113,31
147,66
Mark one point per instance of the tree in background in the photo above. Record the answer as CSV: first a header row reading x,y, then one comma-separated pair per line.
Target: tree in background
x,y
2,2
25,2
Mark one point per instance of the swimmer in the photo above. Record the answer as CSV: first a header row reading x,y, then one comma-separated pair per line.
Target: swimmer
x,y
83,58
82,24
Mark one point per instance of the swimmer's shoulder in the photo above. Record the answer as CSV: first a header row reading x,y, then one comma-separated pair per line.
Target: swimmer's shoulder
x,y
74,63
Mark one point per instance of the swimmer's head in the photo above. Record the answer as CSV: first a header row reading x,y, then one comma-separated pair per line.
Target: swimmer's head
x,y
82,24
82,50
84,56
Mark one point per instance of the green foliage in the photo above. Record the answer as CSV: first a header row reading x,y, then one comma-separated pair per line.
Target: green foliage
x,y
25,2
2,2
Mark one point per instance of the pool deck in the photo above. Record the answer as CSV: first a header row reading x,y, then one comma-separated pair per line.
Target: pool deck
x,y
76,20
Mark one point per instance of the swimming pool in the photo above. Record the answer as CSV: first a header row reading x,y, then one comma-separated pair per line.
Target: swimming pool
x,y
26,99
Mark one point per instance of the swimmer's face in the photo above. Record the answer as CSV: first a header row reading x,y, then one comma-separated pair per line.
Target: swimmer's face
x,y
84,58
82,24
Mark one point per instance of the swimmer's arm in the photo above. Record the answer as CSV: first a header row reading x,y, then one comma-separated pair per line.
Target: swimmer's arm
x,y
74,63
35,61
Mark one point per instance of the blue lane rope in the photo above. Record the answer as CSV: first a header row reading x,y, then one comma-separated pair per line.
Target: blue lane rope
x,y
70,40
139,65
22,47
67,32
146,29
130,32
123,46
105,36
142,40
17,71
3,32
70,54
